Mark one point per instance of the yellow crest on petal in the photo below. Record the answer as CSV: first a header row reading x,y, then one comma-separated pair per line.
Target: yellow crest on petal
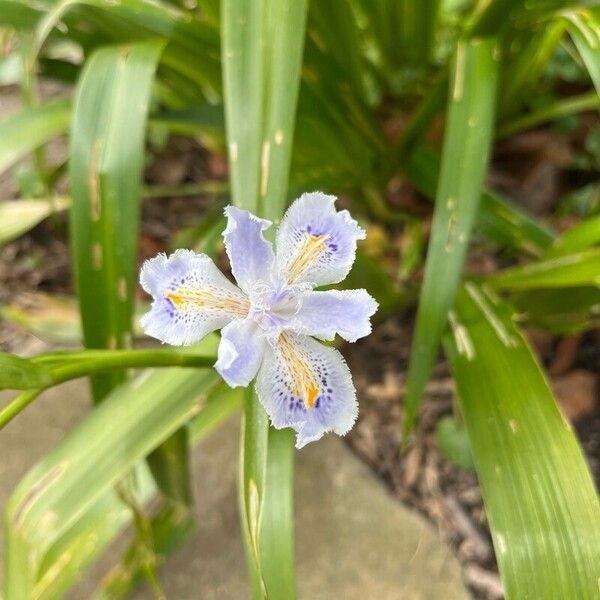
x,y
303,381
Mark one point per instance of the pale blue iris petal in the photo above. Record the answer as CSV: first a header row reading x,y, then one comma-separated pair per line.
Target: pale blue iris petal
x,y
345,312
240,352
315,243
251,256
187,274
334,409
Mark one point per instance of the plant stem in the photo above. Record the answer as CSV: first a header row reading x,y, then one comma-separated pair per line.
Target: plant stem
x,y
556,110
93,362
100,361
22,401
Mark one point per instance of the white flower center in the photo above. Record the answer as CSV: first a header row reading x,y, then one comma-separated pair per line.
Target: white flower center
x,y
273,305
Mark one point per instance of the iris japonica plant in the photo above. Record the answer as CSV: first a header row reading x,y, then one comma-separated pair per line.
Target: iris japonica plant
x,y
269,323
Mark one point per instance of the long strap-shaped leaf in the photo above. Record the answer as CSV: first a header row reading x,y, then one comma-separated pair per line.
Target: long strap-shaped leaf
x,y
499,219
262,54
465,154
87,537
107,154
567,271
417,27
584,27
131,422
30,128
18,14
540,500
106,160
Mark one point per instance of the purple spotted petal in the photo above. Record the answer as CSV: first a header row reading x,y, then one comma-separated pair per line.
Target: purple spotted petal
x,y
240,352
191,298
315,243
346,312
307,386
251,256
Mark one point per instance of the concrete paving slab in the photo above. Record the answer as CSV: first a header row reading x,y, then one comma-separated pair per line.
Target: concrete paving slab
x,y
354,541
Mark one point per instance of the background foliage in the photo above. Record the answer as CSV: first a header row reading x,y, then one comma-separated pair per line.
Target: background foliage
x,y
301,95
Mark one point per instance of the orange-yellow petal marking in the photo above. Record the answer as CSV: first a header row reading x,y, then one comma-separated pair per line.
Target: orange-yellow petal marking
x,y
306,256
207,300
304,383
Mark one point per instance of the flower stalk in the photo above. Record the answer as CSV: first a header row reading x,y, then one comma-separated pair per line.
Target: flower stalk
x,y
65,366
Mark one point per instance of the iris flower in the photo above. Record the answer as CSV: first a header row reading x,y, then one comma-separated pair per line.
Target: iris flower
x,y
269,323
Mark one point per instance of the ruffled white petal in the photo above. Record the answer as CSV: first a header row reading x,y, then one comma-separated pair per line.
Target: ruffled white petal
x,y
315,243
251,256
307,386
191,298
343,312
240,352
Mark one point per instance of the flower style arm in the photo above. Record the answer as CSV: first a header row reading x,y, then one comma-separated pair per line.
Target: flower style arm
x,y
250,255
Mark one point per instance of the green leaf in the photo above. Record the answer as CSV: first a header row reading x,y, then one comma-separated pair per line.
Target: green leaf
x,y
557,310
276,533
88,538
223,402
205,122
529,52
559,109
106,161
185,394
453,440
584,27
540,499
76,474
263,44
19,216
25,131
170,466
262,54
334,25
465,154
417,31
499,219
491,17
571,270
107,158
243,67
19,14
94,23
581,236
18,373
